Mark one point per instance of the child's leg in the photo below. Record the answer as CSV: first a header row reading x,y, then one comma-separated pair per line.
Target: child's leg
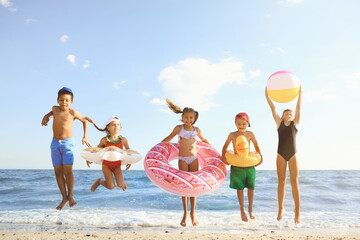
x,y
192,212
251,200
59,173
109,179
69,180
119,178
185,207
294,180
281,172
193,167
240,194
185,167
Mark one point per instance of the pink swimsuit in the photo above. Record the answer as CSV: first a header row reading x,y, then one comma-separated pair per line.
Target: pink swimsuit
x,y
187,135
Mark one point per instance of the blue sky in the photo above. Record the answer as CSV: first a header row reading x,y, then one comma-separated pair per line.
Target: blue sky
x,y
124,57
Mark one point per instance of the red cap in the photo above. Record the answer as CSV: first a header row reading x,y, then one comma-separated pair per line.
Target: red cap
x,y
243,116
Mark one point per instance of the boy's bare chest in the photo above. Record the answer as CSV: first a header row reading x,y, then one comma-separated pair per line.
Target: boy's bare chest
x,y
63,116
237,134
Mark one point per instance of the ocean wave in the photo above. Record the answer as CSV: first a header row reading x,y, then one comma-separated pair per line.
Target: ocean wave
x,y
110,217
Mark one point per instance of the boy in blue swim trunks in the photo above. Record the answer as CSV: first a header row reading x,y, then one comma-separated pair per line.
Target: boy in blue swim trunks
x,y
242,177
62,145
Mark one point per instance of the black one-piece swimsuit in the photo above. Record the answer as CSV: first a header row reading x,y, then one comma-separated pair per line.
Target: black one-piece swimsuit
x,y
287,140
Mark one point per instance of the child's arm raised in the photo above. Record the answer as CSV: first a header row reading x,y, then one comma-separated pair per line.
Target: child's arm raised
x,y
256,146
273,109
175,132
297,111
84,120
201,136
225,147
46,118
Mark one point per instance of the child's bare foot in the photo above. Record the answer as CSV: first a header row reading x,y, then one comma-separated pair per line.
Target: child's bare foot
x,y
72,202
183,221
62,204
123,186
193,219
243,216
297,216
251,215
95,185
280,213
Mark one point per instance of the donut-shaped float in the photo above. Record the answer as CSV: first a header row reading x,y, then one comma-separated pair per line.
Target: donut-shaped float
x,y
111,153
211,175
243,158
283,86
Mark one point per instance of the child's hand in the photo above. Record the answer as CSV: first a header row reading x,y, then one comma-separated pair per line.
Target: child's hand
x,y
260,161
85,140
88,163
127,167
223,158
45,120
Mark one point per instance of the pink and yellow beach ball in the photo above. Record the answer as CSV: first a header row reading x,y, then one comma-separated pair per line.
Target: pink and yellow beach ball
x,y
283,86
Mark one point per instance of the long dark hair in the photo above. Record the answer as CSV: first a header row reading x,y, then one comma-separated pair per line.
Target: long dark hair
x,y
177,109
105,129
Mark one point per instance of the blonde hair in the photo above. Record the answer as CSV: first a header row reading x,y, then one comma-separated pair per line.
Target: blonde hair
x,y
177,109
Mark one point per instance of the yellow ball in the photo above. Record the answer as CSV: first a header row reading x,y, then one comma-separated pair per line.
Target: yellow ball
x,y
283,86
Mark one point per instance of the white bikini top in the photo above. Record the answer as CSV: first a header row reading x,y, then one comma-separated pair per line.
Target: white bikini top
x,y
187,134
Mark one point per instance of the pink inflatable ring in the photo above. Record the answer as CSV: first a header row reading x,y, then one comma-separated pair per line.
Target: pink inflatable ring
x,y
211,175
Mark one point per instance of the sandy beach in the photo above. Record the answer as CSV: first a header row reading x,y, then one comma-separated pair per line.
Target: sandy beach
x,y
176,234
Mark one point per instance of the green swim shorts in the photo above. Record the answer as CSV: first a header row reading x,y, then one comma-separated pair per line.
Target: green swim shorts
x,y
242,177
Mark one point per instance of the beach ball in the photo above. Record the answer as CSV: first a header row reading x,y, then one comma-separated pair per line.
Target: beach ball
x,y
283,86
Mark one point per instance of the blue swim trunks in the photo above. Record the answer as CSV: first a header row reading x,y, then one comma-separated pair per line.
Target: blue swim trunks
x,y
62,151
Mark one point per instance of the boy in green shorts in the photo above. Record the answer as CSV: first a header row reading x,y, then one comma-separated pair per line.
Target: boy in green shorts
x,y
242,177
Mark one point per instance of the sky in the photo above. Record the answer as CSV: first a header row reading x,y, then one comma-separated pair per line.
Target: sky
x,y
122,58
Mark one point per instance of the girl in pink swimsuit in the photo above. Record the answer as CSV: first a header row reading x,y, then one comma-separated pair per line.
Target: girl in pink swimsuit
x,y
188,160
111,168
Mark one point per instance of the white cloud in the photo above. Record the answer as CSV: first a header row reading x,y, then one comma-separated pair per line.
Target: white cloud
x,y
276,50
288,2
193,82
165,110
280,50
353,81
323,94
147,94
7,4
254,74
117,84
30,20
86,64
294,1
64,38
158,101
71,58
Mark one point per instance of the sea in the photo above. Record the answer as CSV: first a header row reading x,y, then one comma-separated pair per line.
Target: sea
x,y
28,198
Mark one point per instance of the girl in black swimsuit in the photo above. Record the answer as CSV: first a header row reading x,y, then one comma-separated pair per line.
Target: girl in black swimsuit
x,y
287,127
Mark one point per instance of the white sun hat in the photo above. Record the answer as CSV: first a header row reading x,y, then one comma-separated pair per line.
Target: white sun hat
x,y
113,118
